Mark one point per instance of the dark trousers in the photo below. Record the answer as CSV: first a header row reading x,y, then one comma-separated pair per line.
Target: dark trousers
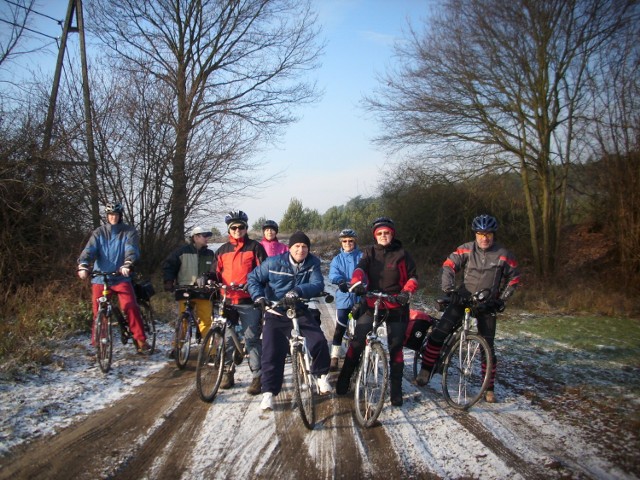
x,y
276,332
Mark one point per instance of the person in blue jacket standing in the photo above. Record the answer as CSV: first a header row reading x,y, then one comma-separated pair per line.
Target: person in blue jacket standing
x,y
340,271
290,276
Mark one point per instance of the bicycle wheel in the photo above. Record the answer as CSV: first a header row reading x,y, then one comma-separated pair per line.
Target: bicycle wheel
x,y
104,344
464,381
210,366
303,389
183,340
149,324
371,385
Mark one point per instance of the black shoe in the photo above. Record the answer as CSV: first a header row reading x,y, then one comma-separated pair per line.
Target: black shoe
x,y
396,400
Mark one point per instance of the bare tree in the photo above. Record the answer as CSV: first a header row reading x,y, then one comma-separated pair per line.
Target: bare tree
x,y
15,16
501,85
233,70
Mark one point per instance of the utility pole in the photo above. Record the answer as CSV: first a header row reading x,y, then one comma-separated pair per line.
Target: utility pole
x,y
75,7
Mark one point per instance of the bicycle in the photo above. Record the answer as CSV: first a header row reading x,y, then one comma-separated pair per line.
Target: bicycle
x,y
305,383
348,334
109,316
211,357
372,376
465,360
183,338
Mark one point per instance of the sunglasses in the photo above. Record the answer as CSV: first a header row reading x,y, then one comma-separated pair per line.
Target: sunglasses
x,y
383,232
348,241
484,234
238,227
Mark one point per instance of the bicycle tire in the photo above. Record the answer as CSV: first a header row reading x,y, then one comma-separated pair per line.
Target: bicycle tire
x,y
303,389
148,324
104,342
371,385
210,366
182,340
463,382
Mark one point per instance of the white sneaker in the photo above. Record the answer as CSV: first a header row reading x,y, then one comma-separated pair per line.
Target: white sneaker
x,y
267,401
323,384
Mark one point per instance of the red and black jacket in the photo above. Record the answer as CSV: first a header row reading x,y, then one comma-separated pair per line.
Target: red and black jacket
x,y
389,269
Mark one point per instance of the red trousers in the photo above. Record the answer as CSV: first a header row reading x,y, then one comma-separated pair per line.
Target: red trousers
x,y
128,305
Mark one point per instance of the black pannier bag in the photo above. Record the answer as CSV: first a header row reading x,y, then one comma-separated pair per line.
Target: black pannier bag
x,y
144,290
417,327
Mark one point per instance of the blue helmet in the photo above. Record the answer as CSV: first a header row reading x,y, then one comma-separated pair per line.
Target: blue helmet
x,y
114,207
347,232
484,223
270,224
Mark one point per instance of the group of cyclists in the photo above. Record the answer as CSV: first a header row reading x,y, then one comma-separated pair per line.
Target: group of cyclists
x,y
273,272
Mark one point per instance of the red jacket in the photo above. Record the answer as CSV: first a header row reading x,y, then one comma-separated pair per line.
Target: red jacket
x,y
234,261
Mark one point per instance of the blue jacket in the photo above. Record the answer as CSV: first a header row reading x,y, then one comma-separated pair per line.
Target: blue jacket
x,y
109,247
340,270
276,276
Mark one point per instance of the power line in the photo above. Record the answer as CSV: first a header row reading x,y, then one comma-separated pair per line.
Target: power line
x,y
30,10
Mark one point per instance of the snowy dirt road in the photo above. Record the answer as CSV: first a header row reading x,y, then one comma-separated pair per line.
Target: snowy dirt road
x,y
158,428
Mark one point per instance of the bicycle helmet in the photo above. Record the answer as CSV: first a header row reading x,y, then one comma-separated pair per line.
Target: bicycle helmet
x,y
114,207
236,217
484,223
270,224
382,222
347,232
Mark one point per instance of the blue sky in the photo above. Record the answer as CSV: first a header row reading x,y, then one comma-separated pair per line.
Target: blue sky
x,y
327,157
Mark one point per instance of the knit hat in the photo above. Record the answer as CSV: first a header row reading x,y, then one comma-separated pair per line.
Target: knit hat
x,y
299,237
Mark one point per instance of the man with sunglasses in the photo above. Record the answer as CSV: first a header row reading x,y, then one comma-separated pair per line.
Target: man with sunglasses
x,y
484,263
384,267
340,271
234,260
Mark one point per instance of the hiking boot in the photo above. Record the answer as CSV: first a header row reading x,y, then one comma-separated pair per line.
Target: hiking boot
x,y
396,384
172,354
333,366
423,377
267,401
344,379
323,384
256,386
143,347
227,381
489,397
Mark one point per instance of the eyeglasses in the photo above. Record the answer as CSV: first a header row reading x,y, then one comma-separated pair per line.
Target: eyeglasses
x,y
484,234
348,241
238,227
383,232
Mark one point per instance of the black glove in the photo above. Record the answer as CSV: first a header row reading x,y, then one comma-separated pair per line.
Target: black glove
x,y
291,298
343,287
261,303
168,285
359,289
403,298
499,305
452,293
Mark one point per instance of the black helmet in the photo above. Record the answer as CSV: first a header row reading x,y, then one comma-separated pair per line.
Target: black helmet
x,y
484,223
270,224
347,232
236,217
383,222
114,207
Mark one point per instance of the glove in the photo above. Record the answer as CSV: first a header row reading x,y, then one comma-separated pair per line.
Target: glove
x,y
403,298
261,303
499,305
168,285
358,289
125,269
291,298
452,293
343,287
